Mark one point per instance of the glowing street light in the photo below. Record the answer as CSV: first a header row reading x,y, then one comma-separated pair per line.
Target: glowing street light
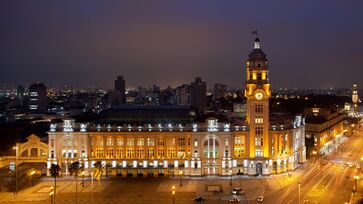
x,y
230,178
181,175
82,173
356,178
51,193
173,193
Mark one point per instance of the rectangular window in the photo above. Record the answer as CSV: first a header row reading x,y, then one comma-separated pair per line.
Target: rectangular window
x,y
258,141
239,140
259,108
226,142
140,142
130,142
120,141
150,142
195,143
109,141
258,120
259,153
160,142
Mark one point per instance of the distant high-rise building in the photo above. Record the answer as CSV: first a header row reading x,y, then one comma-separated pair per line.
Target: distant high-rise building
x,y
20,94
182,95
355,98
120,86
38,100
198,91
219,90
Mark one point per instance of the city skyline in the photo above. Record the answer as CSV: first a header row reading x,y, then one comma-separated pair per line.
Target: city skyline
x,y
157,43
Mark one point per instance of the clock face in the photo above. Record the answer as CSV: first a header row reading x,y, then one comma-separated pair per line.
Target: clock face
x,y
259,95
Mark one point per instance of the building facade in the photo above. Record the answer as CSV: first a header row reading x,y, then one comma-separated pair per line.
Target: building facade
x,y
38,99
256,147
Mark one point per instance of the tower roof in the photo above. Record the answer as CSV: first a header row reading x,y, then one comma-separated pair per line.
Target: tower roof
x,y
257,53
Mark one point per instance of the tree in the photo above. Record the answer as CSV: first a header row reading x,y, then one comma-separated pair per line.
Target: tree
x,y
54,172
75,168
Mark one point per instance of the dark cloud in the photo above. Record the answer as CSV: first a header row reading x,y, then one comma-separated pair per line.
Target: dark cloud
x,y
308,43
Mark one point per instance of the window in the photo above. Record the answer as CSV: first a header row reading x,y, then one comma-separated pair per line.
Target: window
x,y
161,153
99,153
119,153
259,120
150,142
130,141
109,153
195,143
259,153
239,151
226,142
140,142
181,141
239,140
140,153
259,108
109,142
150,153
130,153
52,142
120,142
99,142
258,141
160,142
259,131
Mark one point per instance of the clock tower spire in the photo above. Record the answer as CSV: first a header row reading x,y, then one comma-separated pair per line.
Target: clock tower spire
x,y
257,92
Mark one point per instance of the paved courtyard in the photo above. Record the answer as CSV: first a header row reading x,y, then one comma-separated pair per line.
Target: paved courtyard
x,y
150,190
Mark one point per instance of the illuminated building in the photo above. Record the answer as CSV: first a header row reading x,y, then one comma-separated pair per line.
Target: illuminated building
x,y
255,146
38,100
323,129
355,98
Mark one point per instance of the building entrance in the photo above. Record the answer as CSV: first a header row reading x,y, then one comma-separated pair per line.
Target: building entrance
x,y
211,162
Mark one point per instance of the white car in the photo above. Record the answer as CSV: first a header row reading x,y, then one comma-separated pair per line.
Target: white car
x,y
260,198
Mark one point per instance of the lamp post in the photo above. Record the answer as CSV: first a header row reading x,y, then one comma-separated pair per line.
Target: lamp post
x,y
230,178
82,173
355,187
173,192
16,169
299,191
51,192
181,176
32,176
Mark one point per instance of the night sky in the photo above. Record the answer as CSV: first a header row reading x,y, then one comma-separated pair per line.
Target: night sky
x,y
308,43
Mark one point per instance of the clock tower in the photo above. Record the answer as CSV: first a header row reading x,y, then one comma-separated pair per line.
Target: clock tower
x,y
257,92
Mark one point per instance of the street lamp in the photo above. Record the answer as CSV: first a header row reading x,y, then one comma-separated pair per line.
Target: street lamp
x,y
299,191
356,178
51,192
82,173
32,176
173,192
181,175
230,178
16,169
